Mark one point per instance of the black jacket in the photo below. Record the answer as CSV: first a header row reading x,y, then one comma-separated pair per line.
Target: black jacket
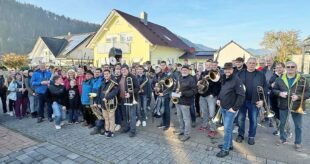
x,y
58,94
136,86
232,93
187,89
259,80
3,88
214,87
281,85
74,98
102,92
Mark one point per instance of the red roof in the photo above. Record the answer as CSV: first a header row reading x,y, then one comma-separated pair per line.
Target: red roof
x,y
156,34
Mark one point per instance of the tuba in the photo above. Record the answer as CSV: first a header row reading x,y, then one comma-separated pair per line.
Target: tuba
x,y
96,110
111,105
130,90
268,113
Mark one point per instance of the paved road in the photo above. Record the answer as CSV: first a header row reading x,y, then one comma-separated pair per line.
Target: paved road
x,y
151,145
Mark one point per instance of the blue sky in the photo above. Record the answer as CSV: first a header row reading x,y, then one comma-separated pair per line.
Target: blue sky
x,y
212,23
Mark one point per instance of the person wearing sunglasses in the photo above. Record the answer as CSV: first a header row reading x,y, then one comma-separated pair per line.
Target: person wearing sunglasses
x,y
289,98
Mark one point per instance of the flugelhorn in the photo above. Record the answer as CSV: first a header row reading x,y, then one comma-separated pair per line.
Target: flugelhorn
x,y
260,91
203,84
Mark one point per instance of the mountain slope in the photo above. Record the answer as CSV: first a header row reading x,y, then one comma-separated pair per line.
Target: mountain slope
x,y
198,47
21,24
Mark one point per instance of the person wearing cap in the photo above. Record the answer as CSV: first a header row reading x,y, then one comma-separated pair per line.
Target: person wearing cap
x,y
128,107
87,87
186,90
230,99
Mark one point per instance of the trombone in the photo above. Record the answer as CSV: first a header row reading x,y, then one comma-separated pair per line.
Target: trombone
x,y
300,108
130,90
260,91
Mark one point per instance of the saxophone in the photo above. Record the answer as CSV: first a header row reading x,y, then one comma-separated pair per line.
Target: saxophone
x,y
142,85
111,105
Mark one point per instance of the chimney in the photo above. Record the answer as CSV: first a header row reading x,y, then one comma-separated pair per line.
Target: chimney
x,y
143,17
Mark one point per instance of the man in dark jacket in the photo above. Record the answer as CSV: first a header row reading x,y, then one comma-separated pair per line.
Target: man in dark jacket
x,y
289,89
128,100
102,98
143,86
251,78
57,94
186,91
230,99
208,102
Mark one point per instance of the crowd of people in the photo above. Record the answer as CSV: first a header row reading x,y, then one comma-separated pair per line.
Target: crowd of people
x,y
118,97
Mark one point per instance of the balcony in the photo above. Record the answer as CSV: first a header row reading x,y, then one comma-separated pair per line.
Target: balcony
x,y
104,48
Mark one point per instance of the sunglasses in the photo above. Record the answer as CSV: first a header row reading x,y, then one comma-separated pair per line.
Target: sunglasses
x,y
290,67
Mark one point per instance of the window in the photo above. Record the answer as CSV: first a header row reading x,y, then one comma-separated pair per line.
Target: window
x,y
111,39
125,38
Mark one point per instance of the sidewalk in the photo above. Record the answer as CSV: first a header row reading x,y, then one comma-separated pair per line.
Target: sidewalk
x,y
152,145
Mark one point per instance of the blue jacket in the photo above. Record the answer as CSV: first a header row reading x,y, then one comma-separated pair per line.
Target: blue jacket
x,y
97,83
87,87
36,79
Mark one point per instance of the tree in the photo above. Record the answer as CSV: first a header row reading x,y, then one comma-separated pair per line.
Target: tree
x,y
283,43
12,60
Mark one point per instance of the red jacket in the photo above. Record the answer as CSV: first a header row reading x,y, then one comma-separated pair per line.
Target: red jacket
x,y
79,80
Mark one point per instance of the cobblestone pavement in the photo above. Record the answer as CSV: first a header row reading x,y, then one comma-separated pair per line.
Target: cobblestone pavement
x,y
151,145
16,148
11,141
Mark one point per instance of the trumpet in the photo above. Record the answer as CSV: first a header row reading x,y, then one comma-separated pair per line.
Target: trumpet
x,y
260,91
130,90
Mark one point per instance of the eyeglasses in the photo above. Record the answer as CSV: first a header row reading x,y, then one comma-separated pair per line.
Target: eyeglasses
x,y
290,67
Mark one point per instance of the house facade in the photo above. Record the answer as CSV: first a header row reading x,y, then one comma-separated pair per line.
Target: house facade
x,y
230,52
62,50
138,39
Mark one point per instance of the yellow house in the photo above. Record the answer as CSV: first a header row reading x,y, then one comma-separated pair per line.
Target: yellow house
x,y
230,52
138,39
